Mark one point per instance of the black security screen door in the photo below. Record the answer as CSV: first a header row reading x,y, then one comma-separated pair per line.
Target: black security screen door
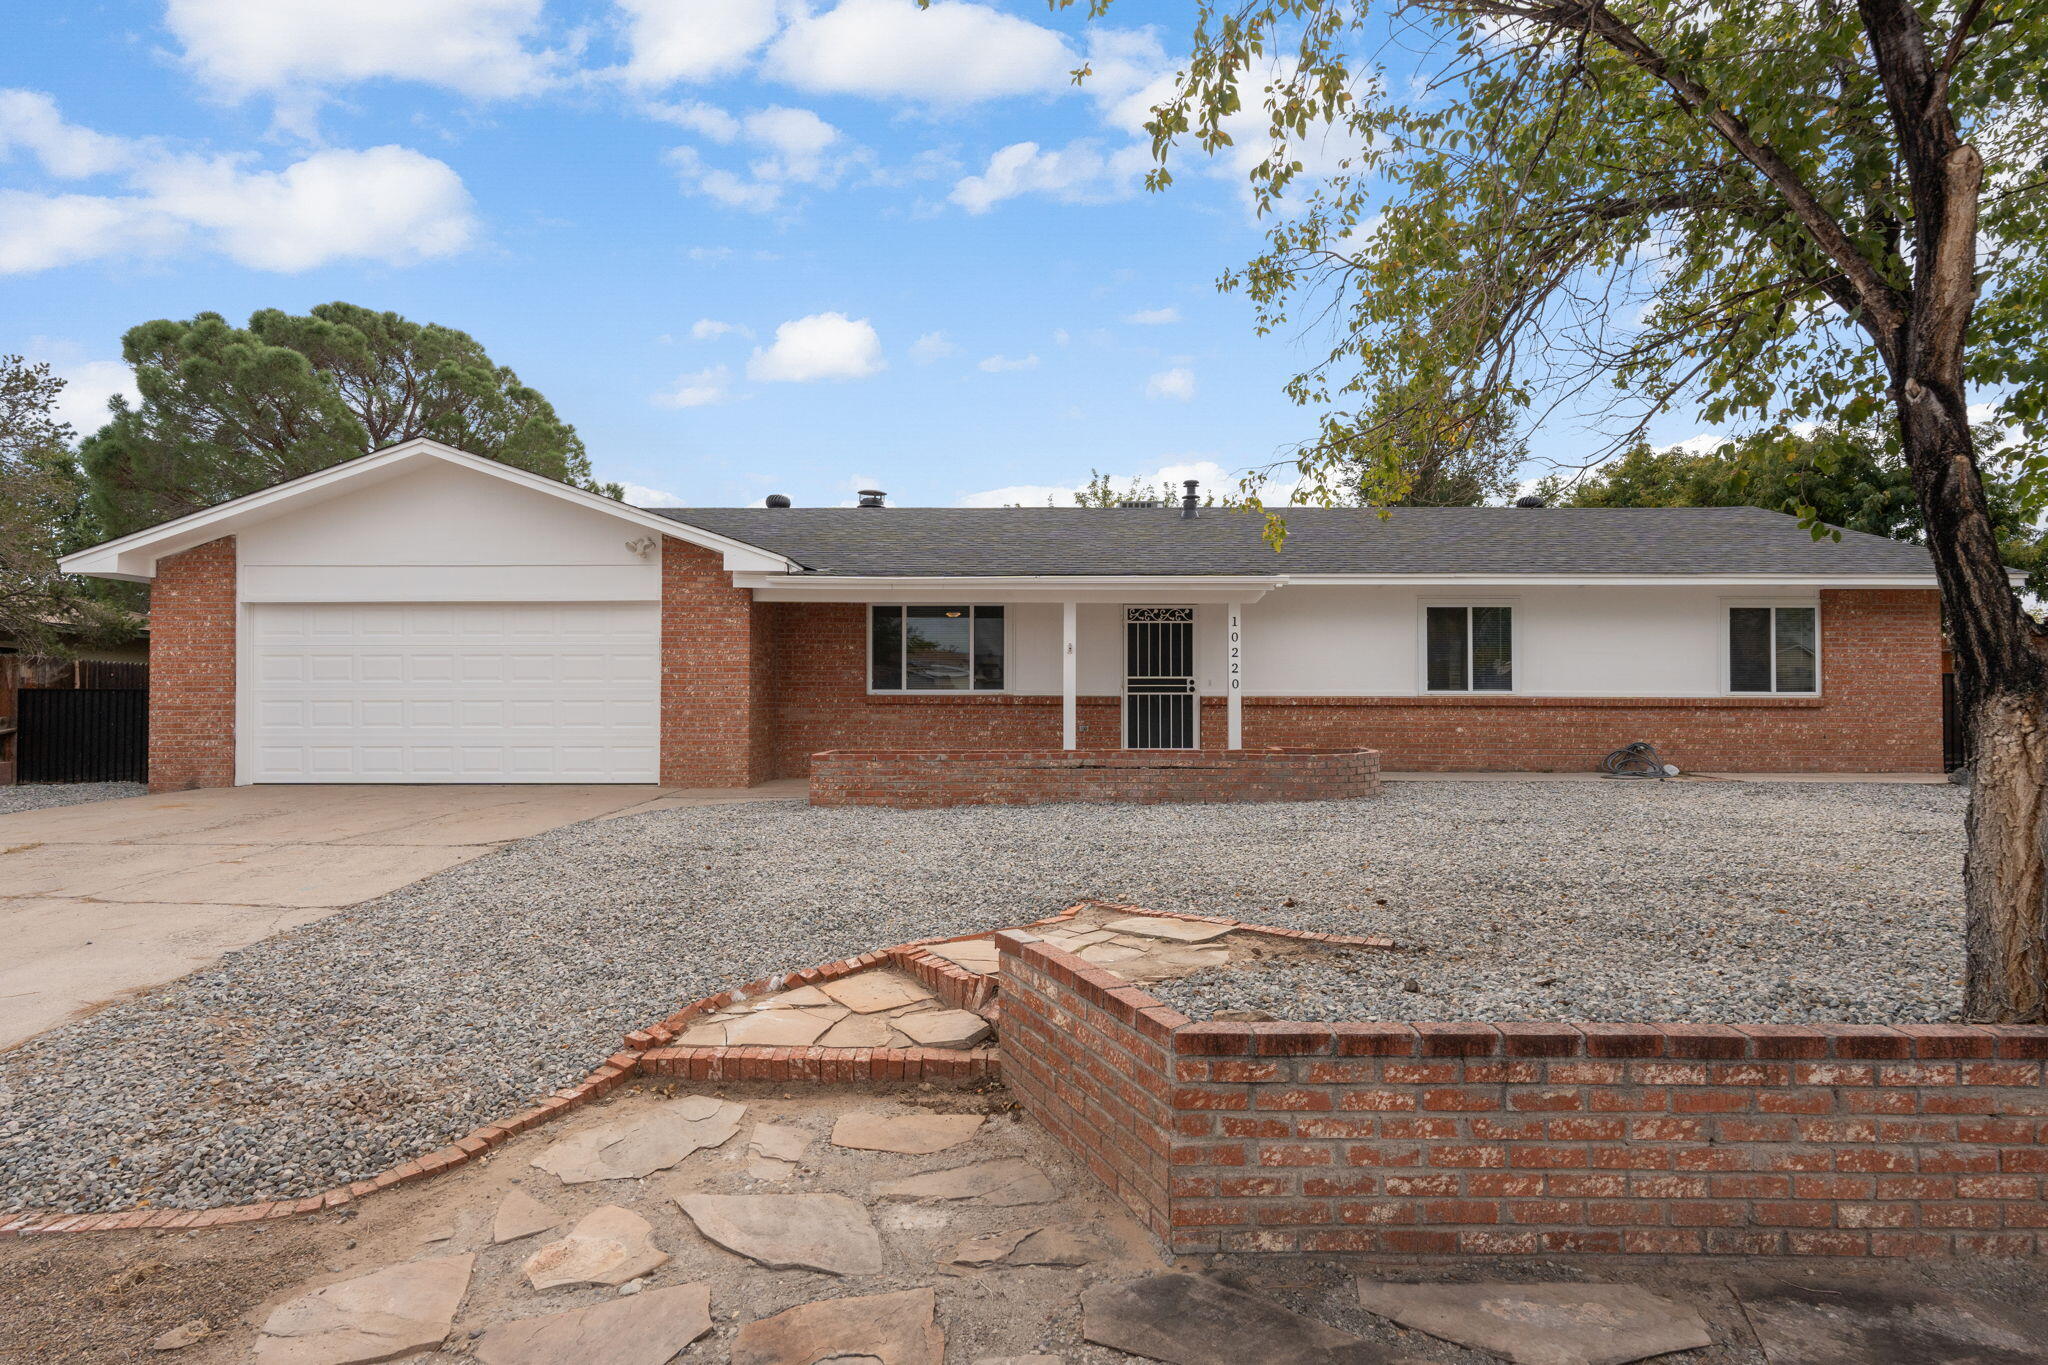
x,y
1159,677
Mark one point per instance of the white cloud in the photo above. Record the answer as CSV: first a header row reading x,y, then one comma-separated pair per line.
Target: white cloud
x,y
1177,383
996,364
1079,173
706,120
87,388
1061,337
710,329
699,390
949,52
640,495
387,204
791,147
1153,317
296,48
932,346
1214,479
821,346
692,40
29,121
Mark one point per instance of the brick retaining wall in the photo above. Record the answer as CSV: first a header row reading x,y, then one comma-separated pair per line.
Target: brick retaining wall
x,y
1483,1139
918,779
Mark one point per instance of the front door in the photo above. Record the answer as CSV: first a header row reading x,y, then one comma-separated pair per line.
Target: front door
x,y
1160,710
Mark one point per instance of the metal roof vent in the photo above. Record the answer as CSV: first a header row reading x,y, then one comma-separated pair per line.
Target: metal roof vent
x,y
1190,503
776,500
1530,500
872,497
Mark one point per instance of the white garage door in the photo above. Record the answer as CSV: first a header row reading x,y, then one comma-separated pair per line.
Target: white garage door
x,y
473,692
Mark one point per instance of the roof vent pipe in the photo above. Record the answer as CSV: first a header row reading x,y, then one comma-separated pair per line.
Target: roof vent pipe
x,y
1190,504
872,497
1530,500
777,500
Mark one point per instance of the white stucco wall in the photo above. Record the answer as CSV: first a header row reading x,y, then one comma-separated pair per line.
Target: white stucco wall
x,y
1568,642
444,534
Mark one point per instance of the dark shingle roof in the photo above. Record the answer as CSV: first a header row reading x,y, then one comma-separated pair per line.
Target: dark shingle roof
x,y
989,542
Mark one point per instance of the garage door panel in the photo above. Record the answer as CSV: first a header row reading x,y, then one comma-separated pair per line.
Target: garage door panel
x,y
474,693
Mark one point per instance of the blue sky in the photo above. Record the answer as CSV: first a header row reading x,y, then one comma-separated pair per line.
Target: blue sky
x,y
745,247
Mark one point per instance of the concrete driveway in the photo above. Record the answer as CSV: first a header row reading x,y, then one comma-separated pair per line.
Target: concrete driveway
x,y
103,899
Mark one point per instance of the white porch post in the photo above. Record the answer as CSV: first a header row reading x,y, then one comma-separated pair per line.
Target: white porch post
x,y
1235,640
1069,677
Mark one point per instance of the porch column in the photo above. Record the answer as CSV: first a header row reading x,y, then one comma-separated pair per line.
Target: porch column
x,y
1069,676
1234,638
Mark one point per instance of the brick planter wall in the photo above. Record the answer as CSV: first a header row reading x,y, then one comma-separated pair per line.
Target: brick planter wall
x,y
192,669
920,779
1483,1139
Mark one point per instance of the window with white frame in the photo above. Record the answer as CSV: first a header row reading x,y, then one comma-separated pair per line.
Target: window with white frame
x,y
1773,649
1468,649
935,649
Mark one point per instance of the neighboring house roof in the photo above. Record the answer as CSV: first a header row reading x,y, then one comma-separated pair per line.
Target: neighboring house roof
x,y
1063,542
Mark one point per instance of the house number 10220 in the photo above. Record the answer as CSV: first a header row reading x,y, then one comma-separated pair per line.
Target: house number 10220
x,y
1234,652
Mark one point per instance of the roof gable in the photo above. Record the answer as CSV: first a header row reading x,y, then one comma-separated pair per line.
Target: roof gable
x,y
134,556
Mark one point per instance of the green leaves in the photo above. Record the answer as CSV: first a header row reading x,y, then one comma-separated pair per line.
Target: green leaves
x,y
226,411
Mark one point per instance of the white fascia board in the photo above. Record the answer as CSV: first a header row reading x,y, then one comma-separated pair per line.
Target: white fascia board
x,y
133,557
1557,580
1165,588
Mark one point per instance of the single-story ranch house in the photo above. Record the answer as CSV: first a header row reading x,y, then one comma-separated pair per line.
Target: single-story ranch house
x,y
424,615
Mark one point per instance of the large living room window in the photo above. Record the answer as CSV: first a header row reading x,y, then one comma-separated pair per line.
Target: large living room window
x,y
935,649
1468,649
1773,649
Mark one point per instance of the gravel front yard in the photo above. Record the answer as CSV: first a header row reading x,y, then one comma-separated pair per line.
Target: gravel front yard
x,y
331,1052
43,795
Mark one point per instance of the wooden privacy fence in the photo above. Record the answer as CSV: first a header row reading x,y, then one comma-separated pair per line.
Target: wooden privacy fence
x,y
73,721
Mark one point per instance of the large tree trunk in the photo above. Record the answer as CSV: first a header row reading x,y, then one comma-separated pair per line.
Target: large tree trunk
x,y
2003,688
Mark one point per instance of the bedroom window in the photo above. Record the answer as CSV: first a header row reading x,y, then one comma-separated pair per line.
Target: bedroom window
x,y
1468,649
935,649
1773,649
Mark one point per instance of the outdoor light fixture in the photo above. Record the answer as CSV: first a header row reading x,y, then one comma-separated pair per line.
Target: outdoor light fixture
x,y
952,613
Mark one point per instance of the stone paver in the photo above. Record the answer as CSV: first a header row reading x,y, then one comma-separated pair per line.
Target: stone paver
x,y
779,1141
776,1028
944,1028
377,1316
1179,930
1869,1324
1543,1324
874,1329
1195,1320
827,1232
874,990
909,1134
521,1215
977,955
1058,1245
610,1245
629,1148
647,1328
858,1030
1004,1182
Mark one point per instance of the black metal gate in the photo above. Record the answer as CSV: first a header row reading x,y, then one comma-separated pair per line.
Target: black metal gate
x,y
1955,739
1159,678
84,734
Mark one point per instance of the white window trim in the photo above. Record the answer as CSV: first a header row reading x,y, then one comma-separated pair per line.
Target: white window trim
x,y
867,652
1728,604
1514,610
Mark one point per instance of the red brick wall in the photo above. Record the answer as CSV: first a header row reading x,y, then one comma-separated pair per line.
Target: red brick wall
x,y
917,779
192,669
1089,1059
716,665
1879,710
1483,1139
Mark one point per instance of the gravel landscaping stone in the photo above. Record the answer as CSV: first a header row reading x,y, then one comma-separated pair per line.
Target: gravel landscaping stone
x,y
44,795
341,1048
